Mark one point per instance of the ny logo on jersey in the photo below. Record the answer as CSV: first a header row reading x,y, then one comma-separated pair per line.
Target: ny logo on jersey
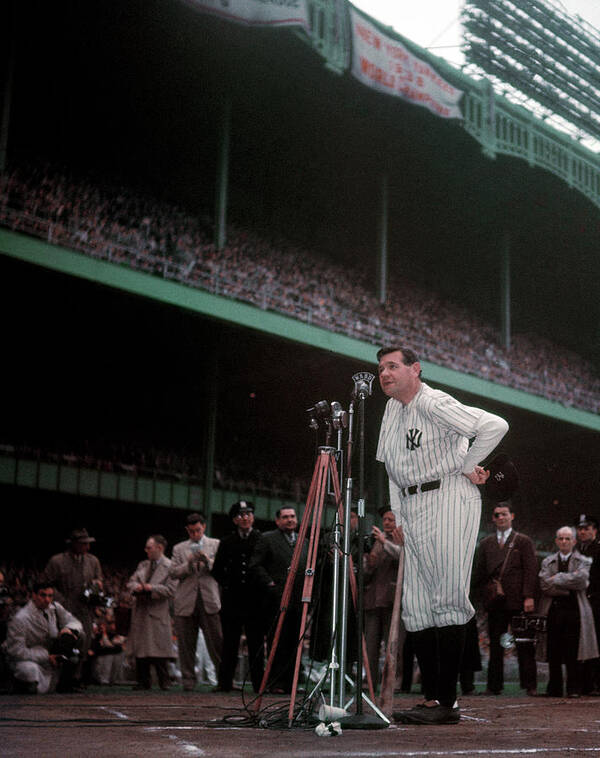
x,y
413,439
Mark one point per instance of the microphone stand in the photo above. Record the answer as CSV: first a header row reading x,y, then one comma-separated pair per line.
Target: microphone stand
x,y
362,390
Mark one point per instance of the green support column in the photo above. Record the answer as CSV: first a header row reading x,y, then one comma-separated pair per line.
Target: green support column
x,y
211,431
382,258
505,290
222,176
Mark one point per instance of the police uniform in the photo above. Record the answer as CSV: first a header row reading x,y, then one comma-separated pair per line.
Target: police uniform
x,y
591,549
239,603
425,447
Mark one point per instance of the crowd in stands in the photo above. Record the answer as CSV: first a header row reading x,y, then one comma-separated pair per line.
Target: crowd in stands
x,y
126,227
157,463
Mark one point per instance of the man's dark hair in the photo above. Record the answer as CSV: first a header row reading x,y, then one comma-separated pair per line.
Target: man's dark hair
x,y
41,584
408,356
505,504
284,508
194,518
159,539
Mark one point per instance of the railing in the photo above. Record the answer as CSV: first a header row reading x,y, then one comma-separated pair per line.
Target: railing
x,y
227,282
496,124
499,128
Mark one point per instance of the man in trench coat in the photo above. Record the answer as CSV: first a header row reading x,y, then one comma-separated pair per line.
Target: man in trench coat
x,y
564,578
150,637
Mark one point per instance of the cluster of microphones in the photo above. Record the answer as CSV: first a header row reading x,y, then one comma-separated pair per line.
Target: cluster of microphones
x,y
332,415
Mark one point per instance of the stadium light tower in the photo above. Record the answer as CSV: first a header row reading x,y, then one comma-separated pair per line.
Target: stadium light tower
x,y
535,48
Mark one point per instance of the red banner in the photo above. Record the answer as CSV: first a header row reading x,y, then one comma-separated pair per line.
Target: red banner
x,y
385,64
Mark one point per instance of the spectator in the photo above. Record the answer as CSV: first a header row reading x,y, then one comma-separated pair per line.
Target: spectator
x,y
269,567
150,640
564,578
509,557
76,576
588,544
238,598
197,599
38,637
128,228
106,652
381,569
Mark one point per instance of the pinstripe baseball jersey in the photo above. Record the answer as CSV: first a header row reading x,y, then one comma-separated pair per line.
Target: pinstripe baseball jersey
x,y
427,440
429,437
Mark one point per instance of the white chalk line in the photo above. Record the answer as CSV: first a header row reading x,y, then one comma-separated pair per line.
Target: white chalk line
x,y
187,748
198,727
423,753
118,714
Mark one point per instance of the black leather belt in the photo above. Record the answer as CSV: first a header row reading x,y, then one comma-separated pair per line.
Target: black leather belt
x,y
425,487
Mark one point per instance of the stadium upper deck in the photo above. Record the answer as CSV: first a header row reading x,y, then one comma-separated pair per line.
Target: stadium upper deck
x,y
138,88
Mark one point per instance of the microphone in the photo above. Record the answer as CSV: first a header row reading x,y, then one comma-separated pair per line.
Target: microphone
x,y
363,382
339,416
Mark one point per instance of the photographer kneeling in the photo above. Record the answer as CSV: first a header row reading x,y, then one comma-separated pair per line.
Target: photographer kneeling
x,y
42,643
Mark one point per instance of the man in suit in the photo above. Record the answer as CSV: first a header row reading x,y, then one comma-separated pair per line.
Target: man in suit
x,y
197,600
74,574
238,598
518,583
150,639
31,638
564,578
269,569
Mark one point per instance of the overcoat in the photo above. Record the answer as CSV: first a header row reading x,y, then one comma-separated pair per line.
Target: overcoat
x,y
555,584
150,634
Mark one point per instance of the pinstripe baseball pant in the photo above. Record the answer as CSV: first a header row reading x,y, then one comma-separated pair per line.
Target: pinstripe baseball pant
x,y
440,528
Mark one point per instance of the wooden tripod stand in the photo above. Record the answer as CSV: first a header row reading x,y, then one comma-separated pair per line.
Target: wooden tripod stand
x,y
325,472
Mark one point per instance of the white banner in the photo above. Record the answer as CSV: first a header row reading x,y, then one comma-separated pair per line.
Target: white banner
x,y
386,65
258,12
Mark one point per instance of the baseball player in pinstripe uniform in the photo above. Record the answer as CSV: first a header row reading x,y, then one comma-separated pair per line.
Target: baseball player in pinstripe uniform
x,y
424,443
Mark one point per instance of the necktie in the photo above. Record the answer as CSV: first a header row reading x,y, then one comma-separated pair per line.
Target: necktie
x,y
501,541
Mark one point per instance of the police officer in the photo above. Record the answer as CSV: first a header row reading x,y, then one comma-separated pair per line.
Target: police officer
x,y
239,606
588,544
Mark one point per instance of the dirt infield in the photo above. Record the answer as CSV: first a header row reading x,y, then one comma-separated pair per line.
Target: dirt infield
x,y
151,724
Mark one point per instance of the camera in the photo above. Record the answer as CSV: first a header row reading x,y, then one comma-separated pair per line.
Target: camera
x,y
368,542
97,598
319,411
66,648
528,624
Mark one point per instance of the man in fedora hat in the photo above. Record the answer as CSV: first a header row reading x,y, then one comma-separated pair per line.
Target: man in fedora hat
x,y
239,602
71,573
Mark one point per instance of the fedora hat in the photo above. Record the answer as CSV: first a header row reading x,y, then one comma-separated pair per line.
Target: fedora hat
x,y
80,535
